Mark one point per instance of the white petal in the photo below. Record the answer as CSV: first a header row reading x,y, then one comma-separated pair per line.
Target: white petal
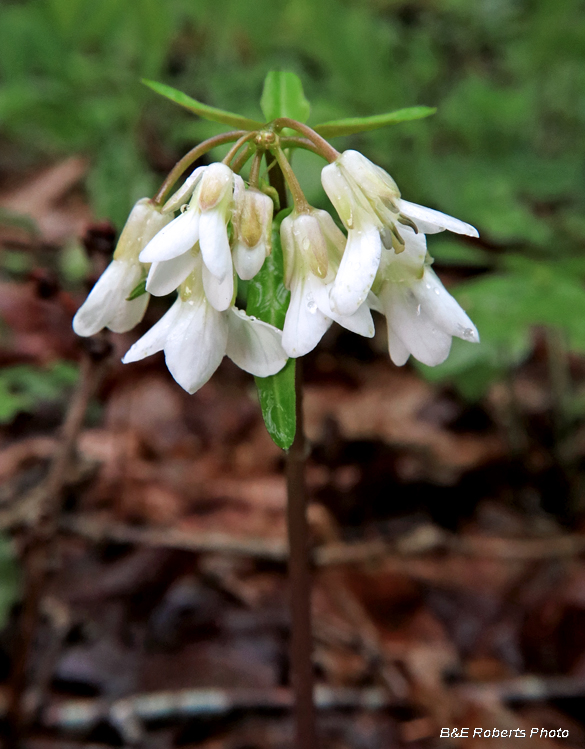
x,y
183,194
144,222
429,221
129,314
196,344
357,270
218,293
418,333
253,345
374,303
214,243
248,261
167,275
442,308
305,324
288,249
154,339
108,294
398,351
174,239
360,322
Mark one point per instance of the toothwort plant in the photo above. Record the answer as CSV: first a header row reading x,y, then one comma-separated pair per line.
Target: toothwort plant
x,y
304,274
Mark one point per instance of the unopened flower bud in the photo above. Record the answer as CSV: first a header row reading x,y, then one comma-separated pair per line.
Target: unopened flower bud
x,y
216,183
107,304
312,247
252,221
145,220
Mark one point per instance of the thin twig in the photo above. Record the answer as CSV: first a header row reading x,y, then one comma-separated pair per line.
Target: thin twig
x,y
332,553
82,714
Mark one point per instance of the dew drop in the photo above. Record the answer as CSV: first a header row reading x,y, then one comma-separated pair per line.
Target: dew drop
x,y
418,310
437,292
311,305
468,334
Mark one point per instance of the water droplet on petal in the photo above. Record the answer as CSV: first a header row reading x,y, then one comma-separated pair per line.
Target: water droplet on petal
x,y
468,334
311,304
418,310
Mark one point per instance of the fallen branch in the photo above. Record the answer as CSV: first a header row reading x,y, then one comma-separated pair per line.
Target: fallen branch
x,y
424,540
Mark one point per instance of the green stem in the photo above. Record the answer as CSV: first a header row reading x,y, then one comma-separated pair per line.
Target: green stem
x,y
292,142
189,159
300,202
324,148
242,158
236,147
255,169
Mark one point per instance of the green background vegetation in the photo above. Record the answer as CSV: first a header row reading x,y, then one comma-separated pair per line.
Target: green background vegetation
x,y
505,150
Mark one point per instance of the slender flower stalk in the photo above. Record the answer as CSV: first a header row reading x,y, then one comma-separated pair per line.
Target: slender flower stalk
x,y
324,148
298,196
190,158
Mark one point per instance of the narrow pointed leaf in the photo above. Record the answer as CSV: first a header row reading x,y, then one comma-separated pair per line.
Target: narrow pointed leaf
x,y
203,110
268,300
353,125
283,96
137,291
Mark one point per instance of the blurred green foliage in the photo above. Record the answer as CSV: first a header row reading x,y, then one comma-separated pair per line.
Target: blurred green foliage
x,y
23,387
505,150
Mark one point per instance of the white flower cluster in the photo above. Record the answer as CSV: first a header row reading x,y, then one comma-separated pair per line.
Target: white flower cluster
x,y
224,227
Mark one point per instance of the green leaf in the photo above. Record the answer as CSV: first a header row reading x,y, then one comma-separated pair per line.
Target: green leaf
x,y
283,96
353,125
137,291
203,110
268,300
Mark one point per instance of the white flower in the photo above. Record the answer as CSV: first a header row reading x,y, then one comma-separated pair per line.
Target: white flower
x,y
252,222
312,246
107,305
368,202
195,337
421,315
201,228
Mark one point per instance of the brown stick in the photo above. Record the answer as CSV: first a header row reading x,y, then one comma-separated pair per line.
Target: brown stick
x,y
39,548
300,581
301,662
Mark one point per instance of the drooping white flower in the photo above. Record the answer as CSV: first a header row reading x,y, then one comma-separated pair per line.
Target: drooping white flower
x,y
368,202
107,304
312,247
421,315
252,223
201,228
195,337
